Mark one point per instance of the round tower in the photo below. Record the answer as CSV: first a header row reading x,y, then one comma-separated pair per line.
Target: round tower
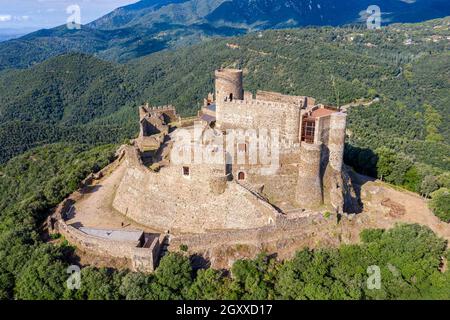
x,y
337,140
309,186
229,85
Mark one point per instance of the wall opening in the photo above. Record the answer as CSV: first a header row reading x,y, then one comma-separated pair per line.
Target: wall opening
x,y
186,171
231,97
308,128
241,176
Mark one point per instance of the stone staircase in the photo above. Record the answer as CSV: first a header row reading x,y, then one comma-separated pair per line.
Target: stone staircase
x,y
253,190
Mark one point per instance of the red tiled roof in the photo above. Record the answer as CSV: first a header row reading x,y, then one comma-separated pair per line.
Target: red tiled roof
x,y
321,112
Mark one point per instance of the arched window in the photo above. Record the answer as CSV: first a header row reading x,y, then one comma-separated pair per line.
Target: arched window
x,y
241,175
242,147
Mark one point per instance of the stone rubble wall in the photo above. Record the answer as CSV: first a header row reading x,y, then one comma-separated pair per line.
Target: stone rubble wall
x,y
283,229
258,114
168,200
141,259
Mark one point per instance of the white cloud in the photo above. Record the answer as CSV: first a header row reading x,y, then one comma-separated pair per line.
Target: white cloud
x,y
8,17
5,17
38,14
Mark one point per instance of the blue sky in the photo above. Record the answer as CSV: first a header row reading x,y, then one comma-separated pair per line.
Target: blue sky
x,y
37,14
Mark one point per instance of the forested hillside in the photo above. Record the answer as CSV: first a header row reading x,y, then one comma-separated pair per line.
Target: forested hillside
x,y
409,256
78,98
149,26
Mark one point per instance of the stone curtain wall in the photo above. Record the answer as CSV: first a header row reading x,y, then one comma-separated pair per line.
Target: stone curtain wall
x,y
322,130
284,229
142,259
278,97
254,114
168,200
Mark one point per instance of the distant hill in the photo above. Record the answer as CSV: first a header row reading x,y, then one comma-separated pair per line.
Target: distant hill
x,y
7,34
152,25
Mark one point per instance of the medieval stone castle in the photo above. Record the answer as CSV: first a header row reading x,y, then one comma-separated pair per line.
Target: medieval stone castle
x,y
205,179
310,144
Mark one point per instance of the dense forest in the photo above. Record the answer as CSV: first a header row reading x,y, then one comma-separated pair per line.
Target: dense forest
x,y
410,257
148,26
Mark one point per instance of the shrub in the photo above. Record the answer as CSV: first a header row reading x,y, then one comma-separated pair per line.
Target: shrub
x,y
440,204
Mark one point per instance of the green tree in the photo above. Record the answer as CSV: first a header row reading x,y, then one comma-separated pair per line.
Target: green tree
x,y
253,279
433,121
440,204
412,179
392,167
173,277
209,284
43,277
98,284
444,180
429,185
136,286
6,285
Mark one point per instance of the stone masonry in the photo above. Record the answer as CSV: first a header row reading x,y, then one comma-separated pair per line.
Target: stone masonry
x,y
199,179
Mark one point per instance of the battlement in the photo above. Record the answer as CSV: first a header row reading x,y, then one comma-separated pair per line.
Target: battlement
x,y
162,108
168,112
260,103
147,109
301,101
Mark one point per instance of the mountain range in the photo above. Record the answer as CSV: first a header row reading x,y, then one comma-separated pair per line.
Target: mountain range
x,y
152,25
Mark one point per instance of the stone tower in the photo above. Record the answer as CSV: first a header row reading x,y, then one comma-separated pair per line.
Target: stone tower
x,y
309,184
229,85
337,140
332,179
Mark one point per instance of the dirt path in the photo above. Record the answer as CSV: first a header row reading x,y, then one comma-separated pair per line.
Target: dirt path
x,y
359,103
95,210
386,206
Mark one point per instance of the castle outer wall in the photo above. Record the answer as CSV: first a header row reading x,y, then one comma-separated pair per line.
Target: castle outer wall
x,y
168,200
